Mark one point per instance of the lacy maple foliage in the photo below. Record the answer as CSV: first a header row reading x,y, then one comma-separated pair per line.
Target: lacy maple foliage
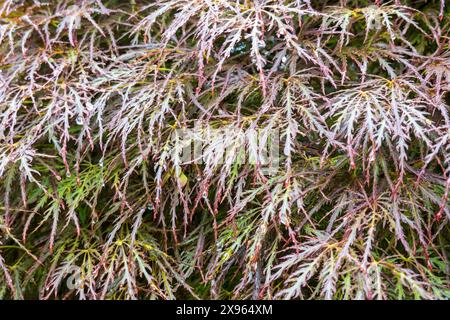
x,y
97,201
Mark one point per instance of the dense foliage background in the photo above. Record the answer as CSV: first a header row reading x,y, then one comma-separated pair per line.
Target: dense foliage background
x,y
95,205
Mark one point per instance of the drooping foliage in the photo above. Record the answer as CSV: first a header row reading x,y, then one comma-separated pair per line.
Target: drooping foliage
x,y
96,201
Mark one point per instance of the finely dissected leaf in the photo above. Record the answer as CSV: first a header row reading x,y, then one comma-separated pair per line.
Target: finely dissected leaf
x,y
185,149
